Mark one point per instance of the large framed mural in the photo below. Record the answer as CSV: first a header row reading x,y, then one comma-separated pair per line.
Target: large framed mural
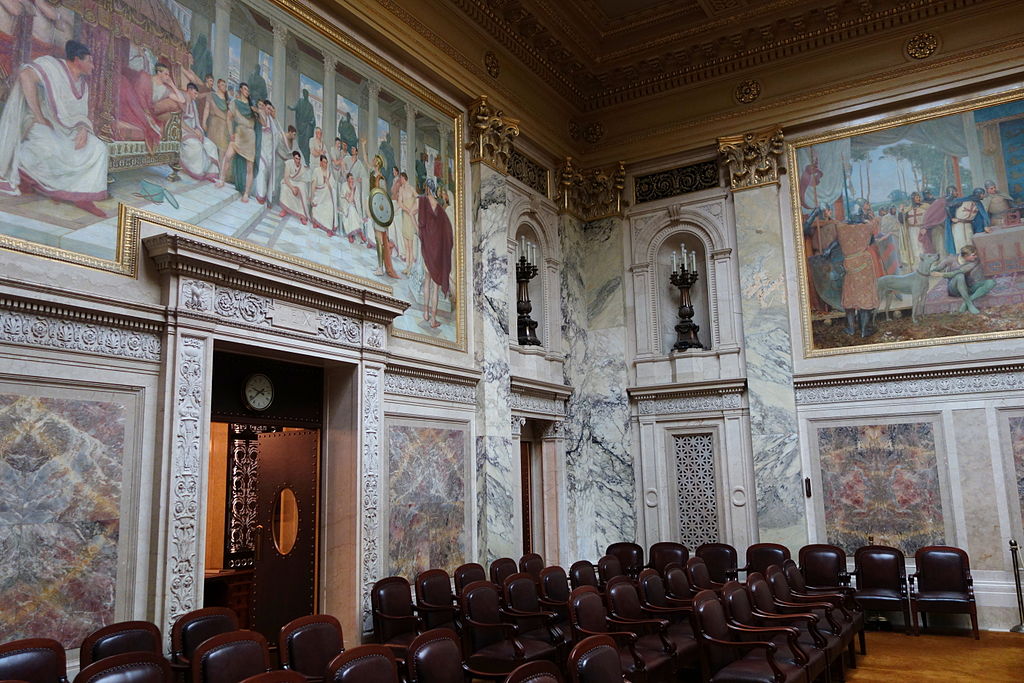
x,y
910,231
255,122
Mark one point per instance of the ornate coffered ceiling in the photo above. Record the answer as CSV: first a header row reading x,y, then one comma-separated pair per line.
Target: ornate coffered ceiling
x,y
599,53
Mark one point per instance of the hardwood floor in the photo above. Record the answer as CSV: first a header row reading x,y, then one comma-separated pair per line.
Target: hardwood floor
x,y
895,657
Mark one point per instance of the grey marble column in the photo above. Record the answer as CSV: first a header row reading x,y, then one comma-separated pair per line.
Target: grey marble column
x,y
277,89
329,124
222,19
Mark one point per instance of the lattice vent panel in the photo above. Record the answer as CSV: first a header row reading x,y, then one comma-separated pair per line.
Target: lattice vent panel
x,y
697,491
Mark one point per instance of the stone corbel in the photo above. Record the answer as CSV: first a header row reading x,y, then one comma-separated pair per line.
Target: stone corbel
x,y
518,422
753,159
553,429
590,195
492,134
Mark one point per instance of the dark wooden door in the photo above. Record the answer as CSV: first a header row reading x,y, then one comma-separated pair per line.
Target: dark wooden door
x,y
285,567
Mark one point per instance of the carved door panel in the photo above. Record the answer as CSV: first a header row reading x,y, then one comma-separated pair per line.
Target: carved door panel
x,y
286,532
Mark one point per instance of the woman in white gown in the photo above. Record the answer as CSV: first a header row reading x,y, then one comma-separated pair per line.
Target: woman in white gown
x,y
200,157
321,197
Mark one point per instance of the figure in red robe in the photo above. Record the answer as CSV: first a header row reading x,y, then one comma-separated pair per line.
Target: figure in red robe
x,y
436,241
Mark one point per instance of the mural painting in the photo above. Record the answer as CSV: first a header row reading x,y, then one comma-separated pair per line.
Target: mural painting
x,y
911,230
426,498
239,119
881,481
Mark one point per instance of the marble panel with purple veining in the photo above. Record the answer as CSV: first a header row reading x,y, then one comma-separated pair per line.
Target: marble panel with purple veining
x,y
1017,445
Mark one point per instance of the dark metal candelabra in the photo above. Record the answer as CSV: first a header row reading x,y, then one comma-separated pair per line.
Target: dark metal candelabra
x,y
527,327
686,330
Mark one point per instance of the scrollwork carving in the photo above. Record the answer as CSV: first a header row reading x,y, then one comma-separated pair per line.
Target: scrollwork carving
x,y
691,404
18,327
339,328
371,470
753,159
492,135
427,387
593,194
911,387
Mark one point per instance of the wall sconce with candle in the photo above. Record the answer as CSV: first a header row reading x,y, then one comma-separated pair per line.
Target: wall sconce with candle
x,y
684,275
526,270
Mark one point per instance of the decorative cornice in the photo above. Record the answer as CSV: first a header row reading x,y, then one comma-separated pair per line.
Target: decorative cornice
x,y
430,385
75,331
590,195
528,171
952,382
753,159
673,182
542,400
492,134
702,397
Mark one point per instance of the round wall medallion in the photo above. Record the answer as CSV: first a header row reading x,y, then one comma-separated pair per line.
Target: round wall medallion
x,y
922,45
747,91
491,64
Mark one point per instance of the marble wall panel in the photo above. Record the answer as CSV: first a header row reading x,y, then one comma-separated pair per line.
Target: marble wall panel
x,y
60,493
599,464
974,449
495,470
881,480
766,339
1017,444
426,498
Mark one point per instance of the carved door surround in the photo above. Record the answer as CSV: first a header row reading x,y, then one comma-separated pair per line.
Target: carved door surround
x,y
214,294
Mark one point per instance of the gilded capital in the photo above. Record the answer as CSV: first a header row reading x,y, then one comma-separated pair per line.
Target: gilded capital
x,y
592,194
752,159
492,134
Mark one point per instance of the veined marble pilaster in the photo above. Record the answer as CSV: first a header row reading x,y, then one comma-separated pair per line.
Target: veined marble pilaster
x,y
496,466
598,461
766,336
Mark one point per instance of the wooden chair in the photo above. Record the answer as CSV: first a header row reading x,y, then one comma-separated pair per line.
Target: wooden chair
x,y
436,605
501,569
942,583
394,623
230,657
535,672
881,575
308,644
665,553
33,660
191,629
127,667
277,676
361,664
595,659
118,638
721,560
489,644
762,555
630,557
466,574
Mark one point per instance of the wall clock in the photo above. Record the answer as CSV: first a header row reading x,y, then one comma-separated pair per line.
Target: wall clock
x,y
258,392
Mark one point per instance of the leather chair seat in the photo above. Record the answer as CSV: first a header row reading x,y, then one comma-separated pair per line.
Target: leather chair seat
x,y
754,669
504,650
952,597
879,594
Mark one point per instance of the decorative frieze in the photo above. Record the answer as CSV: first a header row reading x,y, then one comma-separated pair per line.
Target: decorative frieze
x,y
429,385
537,404
676,181
492,134
590,195
54,332
529,172
753,159
372,531
691,404
905,386
339,329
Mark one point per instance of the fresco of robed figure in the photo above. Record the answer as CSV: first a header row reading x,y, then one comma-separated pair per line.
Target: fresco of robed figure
x,y
913,232
239,120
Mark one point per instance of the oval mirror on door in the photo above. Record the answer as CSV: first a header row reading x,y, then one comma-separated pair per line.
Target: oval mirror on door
x,y
286,521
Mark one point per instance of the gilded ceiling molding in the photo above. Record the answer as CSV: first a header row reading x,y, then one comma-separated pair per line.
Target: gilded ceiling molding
x,y
590,195
492,134
754,158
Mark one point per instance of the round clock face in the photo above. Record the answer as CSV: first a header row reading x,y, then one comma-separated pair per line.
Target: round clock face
x,y
381,208
258,392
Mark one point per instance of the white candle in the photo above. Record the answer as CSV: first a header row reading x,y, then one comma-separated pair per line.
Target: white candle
x,y
673,261
693,260
533,254
522,246
682,259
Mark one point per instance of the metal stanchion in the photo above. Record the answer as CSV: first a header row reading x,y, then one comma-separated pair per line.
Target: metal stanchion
x,y
1015,554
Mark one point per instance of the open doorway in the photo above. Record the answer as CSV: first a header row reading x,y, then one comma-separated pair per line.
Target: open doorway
x,y
263,494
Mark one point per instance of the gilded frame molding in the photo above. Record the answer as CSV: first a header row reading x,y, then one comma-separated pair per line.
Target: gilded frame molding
x,y
792,145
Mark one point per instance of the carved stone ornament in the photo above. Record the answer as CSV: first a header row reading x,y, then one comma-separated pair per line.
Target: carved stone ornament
x,y
492,135
89,336
491,64
372,531
753,159
747,91
922,45
590,195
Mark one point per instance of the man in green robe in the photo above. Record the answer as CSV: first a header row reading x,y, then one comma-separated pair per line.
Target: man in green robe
x,y
305,123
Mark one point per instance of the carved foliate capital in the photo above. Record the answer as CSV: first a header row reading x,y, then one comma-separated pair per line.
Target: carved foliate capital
x,y
590,195
492,134
753,159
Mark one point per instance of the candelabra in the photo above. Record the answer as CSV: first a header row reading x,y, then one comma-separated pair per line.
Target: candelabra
x,y
526,270
684,278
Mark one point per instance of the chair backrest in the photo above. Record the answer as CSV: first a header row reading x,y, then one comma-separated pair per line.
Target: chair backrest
x,y
586,611
501,569
127,667
277,676
624,601
608,567
794,576
541,671
711,621
118,638
630,556
760,555
390,596
480,603
761,593
699,575
532,564
192,628
738,603
308,644
823,565
720,559
554,584
652,588
595,660
520,592
33,660
582,573
942,568
364,663
677,582
667,552
466,574
230,657
880,566
779,583
434,589
435,656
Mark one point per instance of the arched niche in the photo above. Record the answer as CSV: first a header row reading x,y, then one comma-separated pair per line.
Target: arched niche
x,y
670,252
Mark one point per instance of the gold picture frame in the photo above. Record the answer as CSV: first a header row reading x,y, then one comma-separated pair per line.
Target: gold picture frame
x,y
908,184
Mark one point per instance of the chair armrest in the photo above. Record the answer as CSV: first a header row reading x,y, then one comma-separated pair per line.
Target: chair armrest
x,y
791,633
429,607
802,606
647,624
502,626
665,612
810,619
417,623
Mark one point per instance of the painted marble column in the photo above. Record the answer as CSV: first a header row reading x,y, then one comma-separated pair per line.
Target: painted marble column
x,y
370,130
753,161
598,461
409,163
496,460
277,85
329,123
222,28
